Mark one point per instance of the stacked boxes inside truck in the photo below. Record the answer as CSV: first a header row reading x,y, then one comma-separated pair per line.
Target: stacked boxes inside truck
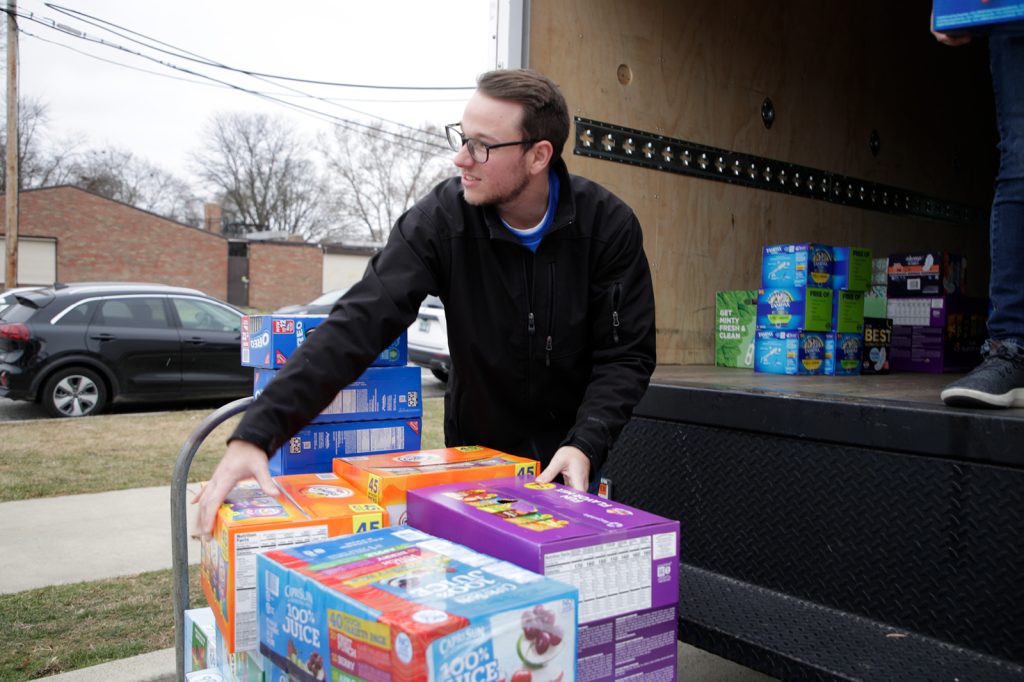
x,y
385,479
794,309
877,325
310,507
844,345
623,561
381,411
936,327
399,604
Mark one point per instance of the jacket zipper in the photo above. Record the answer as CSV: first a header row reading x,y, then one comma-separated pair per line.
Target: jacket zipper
x,y
548,344
616,296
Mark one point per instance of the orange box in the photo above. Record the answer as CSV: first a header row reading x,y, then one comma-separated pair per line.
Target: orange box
x,y
385,478
311,508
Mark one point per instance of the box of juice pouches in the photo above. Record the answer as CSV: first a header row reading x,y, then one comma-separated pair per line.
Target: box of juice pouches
x,y
269,340
386,479
309,507
399,604
624,562
314,448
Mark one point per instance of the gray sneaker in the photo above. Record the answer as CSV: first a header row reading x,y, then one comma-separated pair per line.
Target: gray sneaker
x,y
996,382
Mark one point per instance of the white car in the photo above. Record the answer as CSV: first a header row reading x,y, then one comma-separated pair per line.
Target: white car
x,y
428,339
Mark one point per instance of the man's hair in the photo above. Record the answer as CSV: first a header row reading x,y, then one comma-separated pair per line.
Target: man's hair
x,y
545,113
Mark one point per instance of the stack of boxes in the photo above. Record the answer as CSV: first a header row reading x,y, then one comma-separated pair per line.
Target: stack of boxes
x,y
851,278
935,326
379,412
877,325
794,309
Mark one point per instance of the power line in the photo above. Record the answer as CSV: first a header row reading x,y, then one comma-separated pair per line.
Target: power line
x,y
344,123
194,57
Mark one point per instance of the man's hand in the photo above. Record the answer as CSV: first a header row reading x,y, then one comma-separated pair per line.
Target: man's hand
x,y
572,464
241,460
945,38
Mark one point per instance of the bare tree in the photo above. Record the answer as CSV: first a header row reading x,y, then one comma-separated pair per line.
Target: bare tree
x,y
121,175
376,174
41,163
262,174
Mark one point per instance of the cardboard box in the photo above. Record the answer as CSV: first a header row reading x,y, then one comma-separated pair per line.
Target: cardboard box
x,y
940,334
735,321
385,479
927,274
623,561
796,266
399,604
379,393
794,309
848,311
311,507
843,353
200,636
789,352
852,268
970,16
877,345
242,666
269,340
314,447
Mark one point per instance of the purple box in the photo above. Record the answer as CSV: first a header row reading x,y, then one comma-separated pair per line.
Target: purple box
x,y
624,561
313,449
378,393
940,334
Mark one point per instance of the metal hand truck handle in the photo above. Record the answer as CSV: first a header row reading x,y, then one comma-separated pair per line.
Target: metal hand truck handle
x,y
179,518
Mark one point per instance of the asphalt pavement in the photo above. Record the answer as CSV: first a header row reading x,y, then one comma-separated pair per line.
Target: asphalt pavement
x,y
76,538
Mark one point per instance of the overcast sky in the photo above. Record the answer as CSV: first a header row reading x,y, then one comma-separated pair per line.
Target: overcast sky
x,y
157,112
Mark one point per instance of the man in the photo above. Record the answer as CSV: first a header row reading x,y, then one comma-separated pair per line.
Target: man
x,y
547,295
999,380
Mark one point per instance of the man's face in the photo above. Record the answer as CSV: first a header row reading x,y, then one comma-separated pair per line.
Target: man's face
x,y
504,176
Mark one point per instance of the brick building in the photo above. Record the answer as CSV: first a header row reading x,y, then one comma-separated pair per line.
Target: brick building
x,y
68,234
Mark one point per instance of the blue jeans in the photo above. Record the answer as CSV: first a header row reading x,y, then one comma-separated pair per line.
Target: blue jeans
x,y
1006,232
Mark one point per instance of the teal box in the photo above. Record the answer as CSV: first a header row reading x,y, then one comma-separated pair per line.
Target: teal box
x,y
790,309
792,266
399,604
848,311
843,353
735,321
789,352
851,269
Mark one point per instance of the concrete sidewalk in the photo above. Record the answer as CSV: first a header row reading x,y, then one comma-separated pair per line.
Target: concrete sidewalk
x,y
61,540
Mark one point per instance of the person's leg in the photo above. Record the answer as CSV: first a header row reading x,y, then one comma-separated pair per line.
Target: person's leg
x,y
999,380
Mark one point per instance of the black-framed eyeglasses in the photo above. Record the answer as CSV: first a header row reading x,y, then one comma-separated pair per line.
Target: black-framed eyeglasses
x,y
479,151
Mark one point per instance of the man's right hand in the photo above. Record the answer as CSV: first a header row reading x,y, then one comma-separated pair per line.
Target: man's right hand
x,y
241,460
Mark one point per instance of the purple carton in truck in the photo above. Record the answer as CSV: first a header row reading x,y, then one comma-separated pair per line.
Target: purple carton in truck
x,y
624,561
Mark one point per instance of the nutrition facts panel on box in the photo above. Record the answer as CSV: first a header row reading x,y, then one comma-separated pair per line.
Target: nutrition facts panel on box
x,y
613,578
247,547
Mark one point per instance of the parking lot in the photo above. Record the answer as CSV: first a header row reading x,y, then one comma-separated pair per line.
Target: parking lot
x,y
13,410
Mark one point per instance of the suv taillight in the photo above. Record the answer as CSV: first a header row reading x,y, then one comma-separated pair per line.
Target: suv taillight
x,y
14,331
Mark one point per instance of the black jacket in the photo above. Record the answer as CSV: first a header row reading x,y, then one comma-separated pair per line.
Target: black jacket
x,y
548,349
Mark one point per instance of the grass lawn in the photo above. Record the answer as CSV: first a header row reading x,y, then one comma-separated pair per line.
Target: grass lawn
x,y
57,629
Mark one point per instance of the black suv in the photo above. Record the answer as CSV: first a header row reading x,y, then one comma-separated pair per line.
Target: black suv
x,y
75,348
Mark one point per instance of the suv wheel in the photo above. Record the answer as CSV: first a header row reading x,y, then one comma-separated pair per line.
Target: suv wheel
x,y
74,392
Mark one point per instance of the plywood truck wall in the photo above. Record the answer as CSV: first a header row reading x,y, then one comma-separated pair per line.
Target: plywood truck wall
x,y
699,70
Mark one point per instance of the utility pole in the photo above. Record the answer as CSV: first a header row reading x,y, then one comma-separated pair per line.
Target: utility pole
x,y
13,179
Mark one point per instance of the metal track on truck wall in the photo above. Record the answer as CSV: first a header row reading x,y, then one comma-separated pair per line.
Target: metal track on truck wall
x,y
650,150
929,546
